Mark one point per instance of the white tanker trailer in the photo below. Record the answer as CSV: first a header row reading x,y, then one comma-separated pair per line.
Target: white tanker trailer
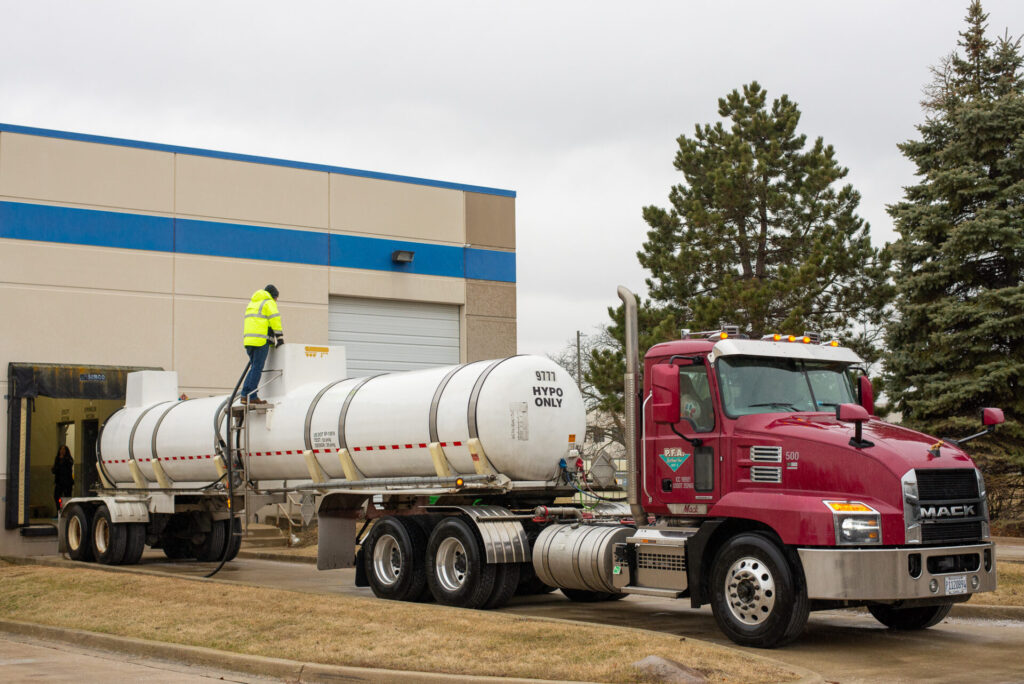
x,y
451,464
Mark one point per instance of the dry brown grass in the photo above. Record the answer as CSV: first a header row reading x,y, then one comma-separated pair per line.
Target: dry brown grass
x,y
1010,591
345,630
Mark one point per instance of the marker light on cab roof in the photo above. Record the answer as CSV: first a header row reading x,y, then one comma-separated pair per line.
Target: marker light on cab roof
x,y
791,338
806,340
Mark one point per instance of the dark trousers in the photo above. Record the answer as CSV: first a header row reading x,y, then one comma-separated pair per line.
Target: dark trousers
x,y
258,355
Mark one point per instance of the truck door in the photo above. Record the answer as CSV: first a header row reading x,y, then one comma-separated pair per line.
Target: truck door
x,y
683,440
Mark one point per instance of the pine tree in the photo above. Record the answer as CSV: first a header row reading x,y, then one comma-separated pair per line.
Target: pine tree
x,y
759,234
957,344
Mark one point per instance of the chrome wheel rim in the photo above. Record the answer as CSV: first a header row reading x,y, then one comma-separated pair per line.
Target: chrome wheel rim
x,y
750,590
102,535
451,564
74,532
387,559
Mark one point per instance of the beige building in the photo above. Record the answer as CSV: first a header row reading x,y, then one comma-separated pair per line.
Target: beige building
x,y
117,254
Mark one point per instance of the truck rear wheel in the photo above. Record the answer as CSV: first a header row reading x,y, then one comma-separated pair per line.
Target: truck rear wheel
x,y
394,558
757,598
78,535
921,617
458,572
108,539
506,580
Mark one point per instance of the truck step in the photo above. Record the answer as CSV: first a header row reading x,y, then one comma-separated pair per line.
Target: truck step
x,y
651,591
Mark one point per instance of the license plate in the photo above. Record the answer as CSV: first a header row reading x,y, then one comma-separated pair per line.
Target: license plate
x,y
957,584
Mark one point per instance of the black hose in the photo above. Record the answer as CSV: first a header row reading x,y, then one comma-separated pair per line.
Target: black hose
x,y
230,484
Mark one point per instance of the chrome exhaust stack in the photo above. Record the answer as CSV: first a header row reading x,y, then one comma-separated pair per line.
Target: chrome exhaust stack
x,y
630,395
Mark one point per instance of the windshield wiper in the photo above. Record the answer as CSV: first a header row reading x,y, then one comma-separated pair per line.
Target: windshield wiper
x,y
776,404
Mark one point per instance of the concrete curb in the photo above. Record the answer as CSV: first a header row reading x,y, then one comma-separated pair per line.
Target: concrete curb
x,y
287,670
977,612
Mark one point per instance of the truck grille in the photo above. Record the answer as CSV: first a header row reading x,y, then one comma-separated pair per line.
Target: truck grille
x,y
765,474
942,485
937,533
949,490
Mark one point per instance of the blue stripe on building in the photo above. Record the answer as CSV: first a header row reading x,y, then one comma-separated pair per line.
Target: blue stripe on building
x,y
231,156
68,225
86,227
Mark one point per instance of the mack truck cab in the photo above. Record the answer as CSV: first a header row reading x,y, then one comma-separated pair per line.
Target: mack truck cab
x,y
763,464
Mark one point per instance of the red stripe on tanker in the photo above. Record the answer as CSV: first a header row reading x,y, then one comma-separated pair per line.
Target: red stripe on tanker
x,y
524,409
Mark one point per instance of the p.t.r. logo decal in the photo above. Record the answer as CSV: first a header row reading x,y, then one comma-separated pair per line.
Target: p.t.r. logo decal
x,y
674,458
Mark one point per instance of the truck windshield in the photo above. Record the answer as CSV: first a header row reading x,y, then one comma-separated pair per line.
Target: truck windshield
x,y
753,384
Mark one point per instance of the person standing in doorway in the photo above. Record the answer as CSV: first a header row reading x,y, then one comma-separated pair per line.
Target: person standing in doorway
x,y
63,475
262,327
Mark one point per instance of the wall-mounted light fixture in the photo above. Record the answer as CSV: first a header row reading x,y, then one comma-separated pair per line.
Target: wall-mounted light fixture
x,y
402,256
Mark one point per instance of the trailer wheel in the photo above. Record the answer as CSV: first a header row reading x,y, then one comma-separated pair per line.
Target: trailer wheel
x,y
235,540
459,575
135,544
506,580
395,560
108,540
584,596
212,549
757,598
921,617
78,535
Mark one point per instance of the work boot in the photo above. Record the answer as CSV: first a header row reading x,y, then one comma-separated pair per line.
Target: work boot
x,y
243,399
254,401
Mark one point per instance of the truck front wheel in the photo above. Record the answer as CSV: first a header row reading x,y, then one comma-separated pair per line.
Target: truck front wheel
x,y
921,617
756,597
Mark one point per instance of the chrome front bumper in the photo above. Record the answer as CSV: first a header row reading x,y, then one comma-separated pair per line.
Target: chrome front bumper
x,y
885,574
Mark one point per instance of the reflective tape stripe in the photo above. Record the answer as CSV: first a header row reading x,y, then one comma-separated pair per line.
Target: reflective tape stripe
x,y
262,337
277,315
263,304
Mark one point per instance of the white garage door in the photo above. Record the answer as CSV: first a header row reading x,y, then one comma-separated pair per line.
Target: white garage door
x,y
382,336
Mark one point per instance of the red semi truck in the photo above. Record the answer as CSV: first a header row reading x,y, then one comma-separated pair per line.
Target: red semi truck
x,y
760,482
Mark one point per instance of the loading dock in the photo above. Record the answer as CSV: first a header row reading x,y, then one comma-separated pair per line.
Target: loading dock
x,y
50,405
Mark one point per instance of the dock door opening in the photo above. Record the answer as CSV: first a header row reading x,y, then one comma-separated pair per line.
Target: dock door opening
x,y
49,406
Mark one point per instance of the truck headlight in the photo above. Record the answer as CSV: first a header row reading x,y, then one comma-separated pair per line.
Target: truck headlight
x,y
856,523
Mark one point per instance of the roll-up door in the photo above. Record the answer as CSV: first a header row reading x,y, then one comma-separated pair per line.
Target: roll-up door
x,y
383,335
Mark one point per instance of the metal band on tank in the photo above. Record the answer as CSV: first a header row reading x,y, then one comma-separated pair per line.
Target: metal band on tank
x,y
131,438
432,425
474,396
156,428
99,446
312,407
342,444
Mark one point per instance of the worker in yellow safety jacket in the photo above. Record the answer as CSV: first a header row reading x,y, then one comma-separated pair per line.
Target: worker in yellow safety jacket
x,y
262,326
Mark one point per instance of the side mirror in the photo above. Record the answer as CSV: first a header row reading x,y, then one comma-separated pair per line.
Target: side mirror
x,y
867,394
665,388
856,414
851,412
992,416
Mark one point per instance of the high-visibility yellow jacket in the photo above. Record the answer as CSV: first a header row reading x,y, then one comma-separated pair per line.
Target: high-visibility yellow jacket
x,y
262,319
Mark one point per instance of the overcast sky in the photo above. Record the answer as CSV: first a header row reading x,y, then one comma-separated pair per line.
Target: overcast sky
x,y
574,105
